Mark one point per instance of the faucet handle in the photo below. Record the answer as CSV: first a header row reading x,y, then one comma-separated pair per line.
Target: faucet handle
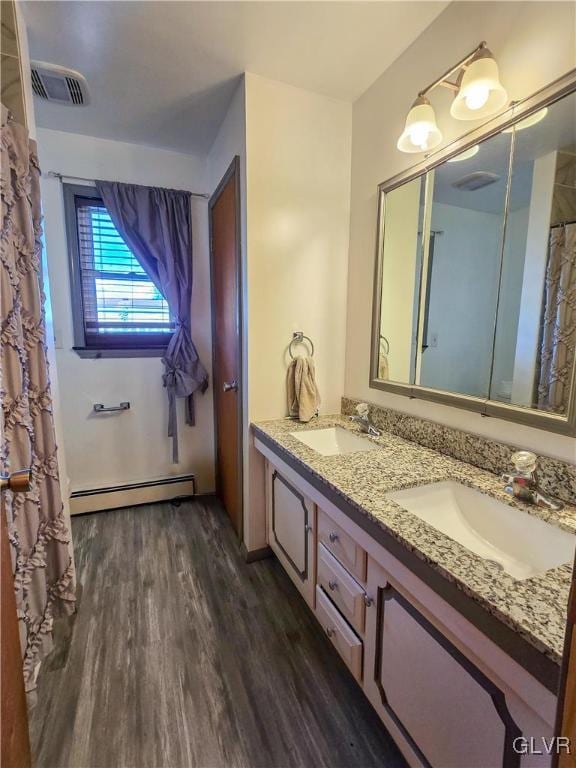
x,y
362,409
525,462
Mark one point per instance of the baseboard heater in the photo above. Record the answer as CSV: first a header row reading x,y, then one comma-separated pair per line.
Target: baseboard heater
x,y
131,494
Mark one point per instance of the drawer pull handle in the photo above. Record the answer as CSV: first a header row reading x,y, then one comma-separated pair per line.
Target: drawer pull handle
x,y
333,537
368,601
333,585
330,631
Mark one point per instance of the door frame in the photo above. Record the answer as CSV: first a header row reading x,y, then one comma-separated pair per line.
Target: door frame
x,y
567,684
233,169
15,749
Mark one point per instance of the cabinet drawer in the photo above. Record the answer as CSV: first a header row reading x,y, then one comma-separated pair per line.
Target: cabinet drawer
x,y
342,588
346,642
342,546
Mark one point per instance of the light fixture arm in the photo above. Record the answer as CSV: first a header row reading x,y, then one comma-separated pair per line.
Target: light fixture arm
x,y
443,79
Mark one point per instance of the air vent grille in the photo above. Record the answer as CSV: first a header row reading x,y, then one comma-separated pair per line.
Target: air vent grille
x,y
59,85
476,180
38,86
75,91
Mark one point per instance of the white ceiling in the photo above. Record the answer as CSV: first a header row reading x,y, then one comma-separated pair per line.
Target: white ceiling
x,y
162,73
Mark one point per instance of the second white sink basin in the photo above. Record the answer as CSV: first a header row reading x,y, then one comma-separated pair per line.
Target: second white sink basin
x,y
333,441
519,543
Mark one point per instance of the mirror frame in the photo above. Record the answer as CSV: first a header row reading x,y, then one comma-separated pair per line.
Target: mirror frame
x,y
565,425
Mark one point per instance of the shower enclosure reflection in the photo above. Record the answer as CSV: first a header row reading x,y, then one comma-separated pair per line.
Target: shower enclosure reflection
x,y
537,311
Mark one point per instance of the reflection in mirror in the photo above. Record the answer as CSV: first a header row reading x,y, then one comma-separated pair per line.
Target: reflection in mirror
x,y
536,327
403,212
477,260
461,269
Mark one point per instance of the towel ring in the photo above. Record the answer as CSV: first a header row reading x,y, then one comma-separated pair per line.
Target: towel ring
x,y
298,338
387,348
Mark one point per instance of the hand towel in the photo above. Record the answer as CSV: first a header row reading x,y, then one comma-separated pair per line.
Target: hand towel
x,y
383,371
302,391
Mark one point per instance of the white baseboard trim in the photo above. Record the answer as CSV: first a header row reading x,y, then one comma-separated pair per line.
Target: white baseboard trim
x,y
100,499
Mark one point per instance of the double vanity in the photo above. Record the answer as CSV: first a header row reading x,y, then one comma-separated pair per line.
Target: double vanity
x,y
430,580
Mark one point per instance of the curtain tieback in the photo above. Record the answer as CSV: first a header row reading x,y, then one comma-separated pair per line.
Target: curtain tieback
x,y
178,383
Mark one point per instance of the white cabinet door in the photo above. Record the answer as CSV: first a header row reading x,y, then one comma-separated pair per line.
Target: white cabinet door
x,y
447,711
290,526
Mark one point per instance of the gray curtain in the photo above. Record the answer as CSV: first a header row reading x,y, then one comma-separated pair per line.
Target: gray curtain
x,y
558,346
156,225
38,529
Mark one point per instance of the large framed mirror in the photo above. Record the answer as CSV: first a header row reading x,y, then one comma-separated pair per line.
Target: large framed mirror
x,y
475,280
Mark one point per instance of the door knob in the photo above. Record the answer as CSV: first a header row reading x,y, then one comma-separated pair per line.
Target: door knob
x,y
230,385
17,482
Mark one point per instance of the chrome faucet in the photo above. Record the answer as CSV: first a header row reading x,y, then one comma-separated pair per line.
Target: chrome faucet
x,y
523,482
362,418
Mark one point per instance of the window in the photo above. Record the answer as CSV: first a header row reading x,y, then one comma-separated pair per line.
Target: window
x,y
116,305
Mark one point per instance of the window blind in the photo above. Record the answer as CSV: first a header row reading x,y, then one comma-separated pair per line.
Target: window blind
x,y
121,305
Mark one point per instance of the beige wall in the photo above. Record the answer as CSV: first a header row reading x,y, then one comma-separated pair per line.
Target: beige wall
x,y
534,43
298,146
298,192
11,63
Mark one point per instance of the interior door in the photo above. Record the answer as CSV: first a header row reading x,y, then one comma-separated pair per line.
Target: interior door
x,y
224,210
14,741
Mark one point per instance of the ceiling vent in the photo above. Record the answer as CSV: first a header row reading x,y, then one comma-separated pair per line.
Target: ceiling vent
x,y
59,85
476,180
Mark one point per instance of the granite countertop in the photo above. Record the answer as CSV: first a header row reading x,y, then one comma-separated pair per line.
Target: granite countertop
x,y
535,608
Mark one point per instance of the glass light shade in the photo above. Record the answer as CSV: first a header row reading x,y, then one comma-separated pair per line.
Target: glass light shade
x,y
480,92
465,155
421,133
528,122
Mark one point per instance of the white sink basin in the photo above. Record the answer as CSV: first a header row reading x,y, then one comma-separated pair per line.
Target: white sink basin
x,y
334,440
519,543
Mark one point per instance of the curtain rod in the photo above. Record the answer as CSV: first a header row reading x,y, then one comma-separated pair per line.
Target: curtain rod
x,y
62,176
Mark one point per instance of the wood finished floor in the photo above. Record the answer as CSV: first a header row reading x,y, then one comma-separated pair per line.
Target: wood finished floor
x,y
183,656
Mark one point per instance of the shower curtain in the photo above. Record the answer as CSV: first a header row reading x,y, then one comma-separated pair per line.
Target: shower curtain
x,y
559,321
39,533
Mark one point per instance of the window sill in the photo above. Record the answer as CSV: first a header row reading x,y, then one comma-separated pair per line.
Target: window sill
x,y
88,353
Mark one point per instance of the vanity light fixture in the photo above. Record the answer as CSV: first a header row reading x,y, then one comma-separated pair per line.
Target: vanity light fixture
x,y
420,132
479,94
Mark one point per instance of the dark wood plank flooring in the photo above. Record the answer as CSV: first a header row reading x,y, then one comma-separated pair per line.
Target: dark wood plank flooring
x,y
182,655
